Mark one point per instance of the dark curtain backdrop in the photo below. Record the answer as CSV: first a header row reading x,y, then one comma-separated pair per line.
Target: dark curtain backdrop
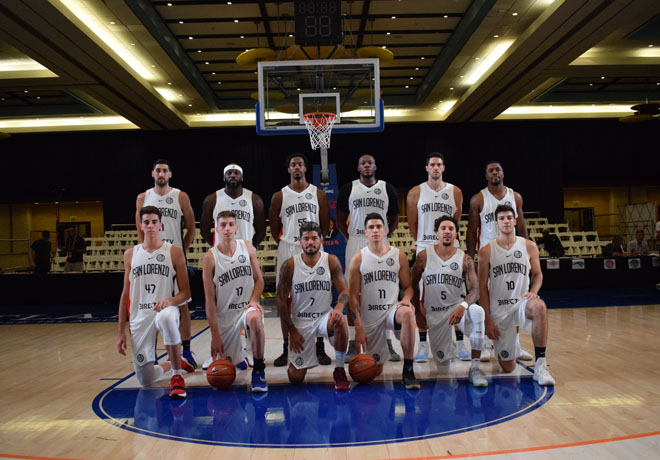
x,y
539,159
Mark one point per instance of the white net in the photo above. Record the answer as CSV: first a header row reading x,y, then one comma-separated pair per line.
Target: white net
x,y
319,125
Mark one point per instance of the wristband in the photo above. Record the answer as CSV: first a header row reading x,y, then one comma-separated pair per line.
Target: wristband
x,y
463,304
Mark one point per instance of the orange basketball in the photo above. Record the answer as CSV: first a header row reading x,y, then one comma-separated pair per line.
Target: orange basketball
x,y
221,374
363,368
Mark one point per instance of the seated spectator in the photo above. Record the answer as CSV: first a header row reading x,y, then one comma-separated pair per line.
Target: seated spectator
x,y
552,244
638,247
615,248
40,255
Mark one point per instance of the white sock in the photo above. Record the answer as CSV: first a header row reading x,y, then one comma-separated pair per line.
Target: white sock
x,y
475,362
339,358
177,371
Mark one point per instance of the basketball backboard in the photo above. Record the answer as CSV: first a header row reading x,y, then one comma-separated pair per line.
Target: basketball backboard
x,y
349,88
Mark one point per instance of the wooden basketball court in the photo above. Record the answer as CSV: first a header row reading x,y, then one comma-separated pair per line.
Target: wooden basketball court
x,y
606,402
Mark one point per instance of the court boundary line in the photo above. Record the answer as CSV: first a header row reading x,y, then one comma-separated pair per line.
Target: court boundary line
x,y
538,448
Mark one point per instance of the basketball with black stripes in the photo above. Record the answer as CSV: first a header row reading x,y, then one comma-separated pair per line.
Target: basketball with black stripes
x,y
363,368
221,374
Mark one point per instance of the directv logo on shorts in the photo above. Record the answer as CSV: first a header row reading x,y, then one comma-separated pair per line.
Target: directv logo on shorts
x,y
140,358
504,354
299,361
377,357
441,354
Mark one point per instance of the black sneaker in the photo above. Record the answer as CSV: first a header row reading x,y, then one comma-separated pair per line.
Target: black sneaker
x,y
282,359
410,381
324,359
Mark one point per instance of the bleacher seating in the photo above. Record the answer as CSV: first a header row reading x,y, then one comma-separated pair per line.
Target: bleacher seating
x,y
106,253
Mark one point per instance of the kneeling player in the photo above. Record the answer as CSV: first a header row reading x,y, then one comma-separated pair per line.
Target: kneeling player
x,y
374,276
308,278
150,269
232,287
507,298
445,271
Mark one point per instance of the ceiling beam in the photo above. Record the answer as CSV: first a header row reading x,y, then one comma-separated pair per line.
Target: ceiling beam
x,y
363,22
264,19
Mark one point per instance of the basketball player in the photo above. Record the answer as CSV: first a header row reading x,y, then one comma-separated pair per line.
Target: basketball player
x,y
295,204
357,199
232,287
152,270
424,204
447,273
308,279
248,207
481,220
250,217
507,297
177,213
375,273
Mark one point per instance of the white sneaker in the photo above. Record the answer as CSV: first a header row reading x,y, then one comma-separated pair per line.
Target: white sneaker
x,y
542,374
477,378
422,353
487,350
523,354
462,351
208,362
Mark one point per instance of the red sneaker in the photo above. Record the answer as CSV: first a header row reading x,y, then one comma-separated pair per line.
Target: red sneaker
x,y
341,382
186,366
177,387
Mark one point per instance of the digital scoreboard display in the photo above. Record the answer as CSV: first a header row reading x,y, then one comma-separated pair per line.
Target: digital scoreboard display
x,y
317,22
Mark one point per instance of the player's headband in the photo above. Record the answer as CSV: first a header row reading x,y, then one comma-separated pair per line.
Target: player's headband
x,y
232,166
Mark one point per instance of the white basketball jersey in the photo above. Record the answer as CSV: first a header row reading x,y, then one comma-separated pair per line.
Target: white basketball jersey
x,y
444,285
311,290
298,208
233,280
380,284
430,206
364,200
488,231
508,278
152,279
242,207
172,218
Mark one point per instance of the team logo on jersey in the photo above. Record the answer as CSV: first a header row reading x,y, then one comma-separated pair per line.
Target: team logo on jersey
x,y
241,258
160,257
169,200
308,196
445,196
378,191
299,361
508,203
140,358
320,271
390,261
440,354
504,354
454,266
242,203
517,254
376,357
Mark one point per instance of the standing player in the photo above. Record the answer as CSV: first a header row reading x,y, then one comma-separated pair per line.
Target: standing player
x,y
308,279
177,213
424,204
153,271
481,220
375,273
232,287
447,272
295,204
357,199
507,297
250,217
248,207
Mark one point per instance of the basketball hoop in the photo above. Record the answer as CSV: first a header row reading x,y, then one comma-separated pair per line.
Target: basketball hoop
x,y
319,125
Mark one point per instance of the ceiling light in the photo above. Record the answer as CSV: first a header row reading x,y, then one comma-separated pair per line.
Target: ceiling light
x,y
38,97
65,123
650,46
169,83
290,35
189,105
462,76
242,36
393,17
132,44
25,91
514,14
541,110
199,51
411,78
407,86
591,84
416,68
388,33
228,3
212,73
489,61
435,108
451,89
166,93
383,46
112,22
496,36
445,16
423,58
219,83
235,20
180,95
206,62
153,65
169,4
180,22
476,59
297,89
190,38
602,78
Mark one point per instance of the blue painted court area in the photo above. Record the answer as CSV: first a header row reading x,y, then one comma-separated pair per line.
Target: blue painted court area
x,y
315,415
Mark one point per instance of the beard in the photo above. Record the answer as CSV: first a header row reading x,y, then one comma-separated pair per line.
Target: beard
x,y
311,251
447,244
233,184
